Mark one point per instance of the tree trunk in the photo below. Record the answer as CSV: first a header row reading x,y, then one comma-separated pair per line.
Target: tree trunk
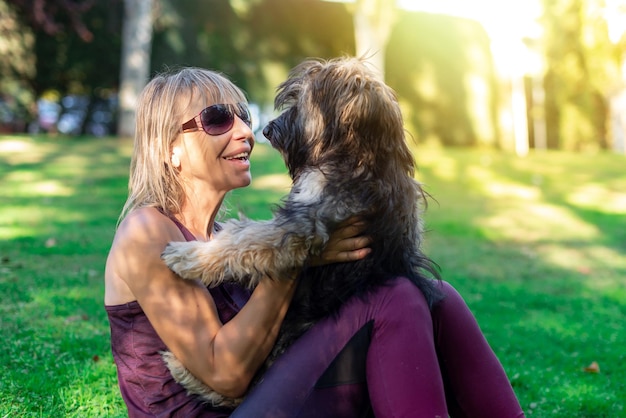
x,y
373,21
135,63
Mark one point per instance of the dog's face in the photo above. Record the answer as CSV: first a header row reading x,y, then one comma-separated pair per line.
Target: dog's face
x,y
338,113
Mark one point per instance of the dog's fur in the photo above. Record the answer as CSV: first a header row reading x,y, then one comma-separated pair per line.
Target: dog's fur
x,y
342,137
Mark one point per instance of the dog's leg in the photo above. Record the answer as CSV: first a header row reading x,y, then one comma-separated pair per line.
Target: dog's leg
x,y
244,251
194,385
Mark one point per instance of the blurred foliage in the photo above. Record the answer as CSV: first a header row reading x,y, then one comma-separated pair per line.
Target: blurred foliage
x,y
582,67
254,42
65,61
55,16
67,48
17,65
429,60
440,66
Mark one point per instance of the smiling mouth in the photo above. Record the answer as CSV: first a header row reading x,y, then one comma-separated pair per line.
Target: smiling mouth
x,y
242,156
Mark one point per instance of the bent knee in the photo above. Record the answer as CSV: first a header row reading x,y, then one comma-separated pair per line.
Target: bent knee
x,y
401,297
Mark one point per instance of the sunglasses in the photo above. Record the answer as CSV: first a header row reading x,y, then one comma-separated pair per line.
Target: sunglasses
x,y
219,118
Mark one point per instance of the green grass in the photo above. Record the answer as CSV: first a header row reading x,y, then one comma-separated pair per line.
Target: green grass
x,y
536,245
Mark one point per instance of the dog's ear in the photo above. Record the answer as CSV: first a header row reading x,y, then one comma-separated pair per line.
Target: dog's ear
x,y
371,109
368,115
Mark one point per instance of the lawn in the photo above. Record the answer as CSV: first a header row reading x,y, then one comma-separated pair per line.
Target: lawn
x,y
536,245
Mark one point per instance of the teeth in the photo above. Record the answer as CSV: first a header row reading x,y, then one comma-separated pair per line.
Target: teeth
x,y
243,155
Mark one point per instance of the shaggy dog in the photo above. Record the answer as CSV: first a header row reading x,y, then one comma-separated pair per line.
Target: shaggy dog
x,y
342,138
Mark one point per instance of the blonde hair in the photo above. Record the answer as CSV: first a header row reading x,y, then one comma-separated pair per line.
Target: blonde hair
x,y
153,181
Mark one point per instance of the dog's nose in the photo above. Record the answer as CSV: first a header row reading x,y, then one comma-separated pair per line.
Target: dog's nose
x,y
267,131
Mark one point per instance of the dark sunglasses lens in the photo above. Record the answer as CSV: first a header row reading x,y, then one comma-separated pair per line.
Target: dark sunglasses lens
x,y
217,119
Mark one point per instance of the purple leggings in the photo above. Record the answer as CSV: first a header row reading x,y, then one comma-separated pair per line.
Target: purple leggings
x,y
416,363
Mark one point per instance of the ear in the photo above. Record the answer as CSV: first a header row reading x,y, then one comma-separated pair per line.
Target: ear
x,y
175,157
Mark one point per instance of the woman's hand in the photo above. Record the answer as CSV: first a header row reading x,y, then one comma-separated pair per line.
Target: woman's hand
x,y
345,244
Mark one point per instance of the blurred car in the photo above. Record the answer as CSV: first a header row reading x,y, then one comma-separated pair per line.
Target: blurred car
x,y
48,113
101,120
76,115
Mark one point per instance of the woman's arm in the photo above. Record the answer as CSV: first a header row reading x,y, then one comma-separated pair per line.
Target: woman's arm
x,y
224,356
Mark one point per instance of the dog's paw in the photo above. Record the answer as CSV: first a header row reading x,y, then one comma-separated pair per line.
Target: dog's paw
x,y
181,258
196,260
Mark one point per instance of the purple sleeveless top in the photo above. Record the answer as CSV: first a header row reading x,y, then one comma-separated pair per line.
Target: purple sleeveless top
x,y
148,388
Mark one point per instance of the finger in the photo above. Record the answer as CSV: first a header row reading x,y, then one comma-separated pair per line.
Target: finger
x,y
350,221
352,244
349,230
361,242
355,254
329,257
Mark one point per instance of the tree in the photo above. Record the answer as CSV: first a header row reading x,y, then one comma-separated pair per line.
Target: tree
x,y
373,22
17,63
24,24
135,63
582,67
51,15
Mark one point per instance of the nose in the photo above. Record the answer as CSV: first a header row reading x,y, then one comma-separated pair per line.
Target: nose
x,y
242,131
241,122
267,131
242,127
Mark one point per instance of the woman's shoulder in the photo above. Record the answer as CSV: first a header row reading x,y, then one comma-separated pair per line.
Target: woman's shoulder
x,y
134,260
144,233
148,224
138,241
143,217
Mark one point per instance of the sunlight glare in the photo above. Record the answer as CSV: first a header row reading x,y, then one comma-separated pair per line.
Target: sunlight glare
x,y
501,189
599,197
14,144
507,23
538,222
31,184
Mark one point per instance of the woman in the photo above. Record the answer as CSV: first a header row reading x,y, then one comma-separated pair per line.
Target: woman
x,y
180,177
192,146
